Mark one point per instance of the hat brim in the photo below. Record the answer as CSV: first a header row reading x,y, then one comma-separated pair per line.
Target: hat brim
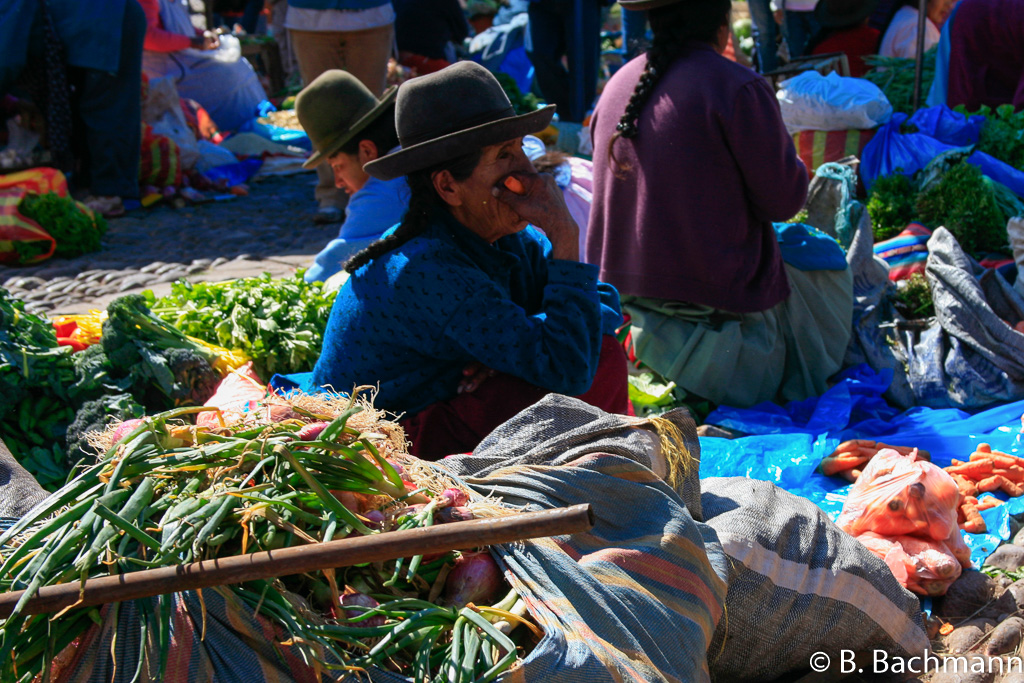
x,y
453,145
386,100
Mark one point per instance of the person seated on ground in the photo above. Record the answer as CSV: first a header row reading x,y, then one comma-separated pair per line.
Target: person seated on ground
x,y
986,54
428,33
900,37
845,29
97,132
464,313
349,127
692,163
230,91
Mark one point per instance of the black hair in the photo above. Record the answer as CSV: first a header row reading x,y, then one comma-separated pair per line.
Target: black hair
x,y
381,133
423,200
673,27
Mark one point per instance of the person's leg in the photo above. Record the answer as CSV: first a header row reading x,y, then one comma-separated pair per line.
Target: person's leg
x,y
366,55
317,52
582,37
547,47
251,16
800,29
459,424
110,109
765,32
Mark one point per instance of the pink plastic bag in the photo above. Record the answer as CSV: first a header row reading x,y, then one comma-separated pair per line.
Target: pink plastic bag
x,y
239,395
905,511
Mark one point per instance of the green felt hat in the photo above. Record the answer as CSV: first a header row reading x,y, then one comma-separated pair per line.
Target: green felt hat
x,y
336,107
449,113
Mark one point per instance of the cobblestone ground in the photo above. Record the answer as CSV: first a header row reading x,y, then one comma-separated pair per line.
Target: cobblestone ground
x,y
271,230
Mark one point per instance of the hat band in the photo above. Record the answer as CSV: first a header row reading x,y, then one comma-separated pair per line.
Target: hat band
x,y
462,124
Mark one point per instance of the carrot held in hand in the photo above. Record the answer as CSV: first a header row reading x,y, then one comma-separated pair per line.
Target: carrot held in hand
x,y
514,185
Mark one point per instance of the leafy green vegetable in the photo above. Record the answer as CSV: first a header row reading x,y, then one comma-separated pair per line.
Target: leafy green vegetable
x,y
1002,136
75,230
891,205
914,297
156,356
963,201
895,76
278,323
523,104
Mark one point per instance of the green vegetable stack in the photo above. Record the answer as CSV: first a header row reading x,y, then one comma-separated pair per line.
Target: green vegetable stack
x,y
35,407
163,495
75,230
948,192
895,77
523,104
277,323
1002,136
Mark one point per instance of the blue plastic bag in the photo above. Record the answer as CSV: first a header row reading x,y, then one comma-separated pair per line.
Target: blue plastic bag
x,y
938,129
236,173
891,151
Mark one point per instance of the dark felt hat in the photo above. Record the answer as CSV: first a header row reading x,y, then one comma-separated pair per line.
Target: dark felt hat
x,y
843,13
449,113
336,107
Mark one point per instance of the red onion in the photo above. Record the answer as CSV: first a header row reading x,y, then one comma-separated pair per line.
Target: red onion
x,y
400,470
376,518
455,514
310,431
454,497
475,578
126,428
354,598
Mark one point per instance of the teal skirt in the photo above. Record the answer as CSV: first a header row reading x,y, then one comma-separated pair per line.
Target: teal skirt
x,y
786,353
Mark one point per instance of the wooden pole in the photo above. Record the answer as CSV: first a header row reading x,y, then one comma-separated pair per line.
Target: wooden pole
x,y
922,16
299,559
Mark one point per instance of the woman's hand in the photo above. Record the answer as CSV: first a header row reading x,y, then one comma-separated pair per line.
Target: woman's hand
x,y
473,375
537,199
207,41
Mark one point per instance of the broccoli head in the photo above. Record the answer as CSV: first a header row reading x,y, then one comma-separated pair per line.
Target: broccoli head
x,y
95,416
195,380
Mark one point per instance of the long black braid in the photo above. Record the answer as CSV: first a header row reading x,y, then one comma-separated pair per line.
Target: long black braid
x,y
423,200
673,27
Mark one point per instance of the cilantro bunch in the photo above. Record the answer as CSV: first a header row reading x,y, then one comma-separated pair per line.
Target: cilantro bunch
x,y
278,323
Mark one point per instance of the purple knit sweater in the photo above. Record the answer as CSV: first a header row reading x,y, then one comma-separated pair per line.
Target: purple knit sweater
x,y
711,168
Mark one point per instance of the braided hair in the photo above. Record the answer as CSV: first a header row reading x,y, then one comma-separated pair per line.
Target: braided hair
x,y
673,26
423,200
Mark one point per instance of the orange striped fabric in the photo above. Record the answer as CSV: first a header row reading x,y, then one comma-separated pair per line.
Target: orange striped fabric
x,y
816,147
17,230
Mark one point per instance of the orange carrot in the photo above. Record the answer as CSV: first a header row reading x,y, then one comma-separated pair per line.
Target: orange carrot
x,y
515,185
988,502
1000,459
957,462
984,448
974,523
999,483
834,464
976,469
966,486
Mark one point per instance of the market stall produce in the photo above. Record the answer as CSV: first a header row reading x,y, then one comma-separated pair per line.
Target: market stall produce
x,y
165,494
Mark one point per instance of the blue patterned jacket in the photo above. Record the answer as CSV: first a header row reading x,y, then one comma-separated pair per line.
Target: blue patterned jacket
x,y
414,318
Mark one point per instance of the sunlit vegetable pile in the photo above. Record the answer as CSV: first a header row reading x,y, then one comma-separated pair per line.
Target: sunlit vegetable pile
x,y
165,492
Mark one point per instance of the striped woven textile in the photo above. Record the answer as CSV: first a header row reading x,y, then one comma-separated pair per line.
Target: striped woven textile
x,y
15,229
160,160
213,638
906,253
638,597
816,147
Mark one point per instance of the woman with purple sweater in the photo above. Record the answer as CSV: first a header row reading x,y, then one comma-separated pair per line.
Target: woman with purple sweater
x,y
692,164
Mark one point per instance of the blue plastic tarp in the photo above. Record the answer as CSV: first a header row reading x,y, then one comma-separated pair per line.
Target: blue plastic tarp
x,y
787,443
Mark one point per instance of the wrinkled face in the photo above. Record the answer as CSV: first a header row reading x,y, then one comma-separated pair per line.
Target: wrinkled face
x,y
348,172
476,207
939,11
